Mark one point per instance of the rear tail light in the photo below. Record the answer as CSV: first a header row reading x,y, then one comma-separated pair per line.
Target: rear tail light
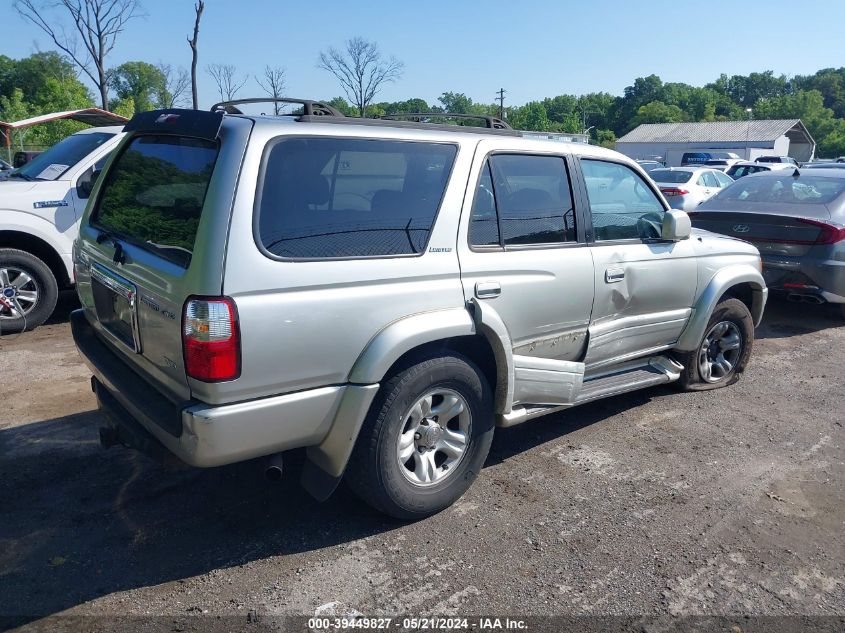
x,y
673,191
829,233
210,339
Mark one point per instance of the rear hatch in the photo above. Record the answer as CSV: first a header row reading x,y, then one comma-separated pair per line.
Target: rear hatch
x,y
155,235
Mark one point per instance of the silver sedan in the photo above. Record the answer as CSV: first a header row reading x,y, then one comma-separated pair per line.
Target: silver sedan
x,y
687,187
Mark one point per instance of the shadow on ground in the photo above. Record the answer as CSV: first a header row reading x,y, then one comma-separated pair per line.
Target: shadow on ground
x,y
783,319
80,522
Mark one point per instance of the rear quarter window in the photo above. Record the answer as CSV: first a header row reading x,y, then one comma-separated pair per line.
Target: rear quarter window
x,y
323,198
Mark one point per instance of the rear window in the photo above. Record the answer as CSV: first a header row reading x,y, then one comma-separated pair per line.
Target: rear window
x,y
803,190
670,175
154,193
342,197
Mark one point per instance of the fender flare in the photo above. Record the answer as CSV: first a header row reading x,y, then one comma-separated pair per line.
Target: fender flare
x,y
721,282
403,335
327,461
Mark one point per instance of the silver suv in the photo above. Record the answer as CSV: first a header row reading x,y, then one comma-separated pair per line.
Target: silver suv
x,y
385,293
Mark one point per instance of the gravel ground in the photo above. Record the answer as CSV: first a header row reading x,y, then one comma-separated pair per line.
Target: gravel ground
x,y
656,503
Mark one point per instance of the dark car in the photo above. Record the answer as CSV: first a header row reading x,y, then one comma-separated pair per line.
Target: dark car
x,y
797,221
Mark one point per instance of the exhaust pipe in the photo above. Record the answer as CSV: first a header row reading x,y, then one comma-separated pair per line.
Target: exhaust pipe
x,y
797,297
274,467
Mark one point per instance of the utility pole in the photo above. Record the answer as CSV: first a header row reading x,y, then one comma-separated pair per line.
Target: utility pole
x,y
501,96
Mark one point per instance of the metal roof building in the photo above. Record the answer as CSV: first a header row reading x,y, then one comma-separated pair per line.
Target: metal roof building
x,y
748,139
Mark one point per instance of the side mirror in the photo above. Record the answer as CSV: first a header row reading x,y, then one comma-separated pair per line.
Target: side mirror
x,y
85,183
676,226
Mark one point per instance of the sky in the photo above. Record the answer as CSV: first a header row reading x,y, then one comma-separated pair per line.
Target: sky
x,y
532,49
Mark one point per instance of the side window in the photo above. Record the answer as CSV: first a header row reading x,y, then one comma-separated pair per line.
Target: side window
x,y
345,197
724,179
484,223
523,199
622,205
710,179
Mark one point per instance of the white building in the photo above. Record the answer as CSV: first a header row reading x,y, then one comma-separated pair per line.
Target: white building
x,y
667,142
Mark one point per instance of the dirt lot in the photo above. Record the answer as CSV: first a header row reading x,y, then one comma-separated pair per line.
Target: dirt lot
x,y
725,502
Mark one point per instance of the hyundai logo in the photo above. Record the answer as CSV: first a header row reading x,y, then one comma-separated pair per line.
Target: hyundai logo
x,y
740,228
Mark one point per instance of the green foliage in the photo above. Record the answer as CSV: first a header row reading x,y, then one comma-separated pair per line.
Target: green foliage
x,y
658,112
141,82
342,105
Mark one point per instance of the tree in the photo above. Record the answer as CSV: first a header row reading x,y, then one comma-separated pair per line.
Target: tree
x,y
658,112
227,84
96,22
273,83
199,7
144,83
176,85
361,70
341,105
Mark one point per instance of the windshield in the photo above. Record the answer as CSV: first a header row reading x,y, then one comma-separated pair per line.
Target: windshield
x,y
670,175
789,190
50,165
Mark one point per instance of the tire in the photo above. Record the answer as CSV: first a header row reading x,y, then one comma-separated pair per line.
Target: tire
x,y
41,288
375,473
706,358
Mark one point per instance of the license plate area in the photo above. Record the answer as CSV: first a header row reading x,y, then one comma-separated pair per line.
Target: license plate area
x,y
115,303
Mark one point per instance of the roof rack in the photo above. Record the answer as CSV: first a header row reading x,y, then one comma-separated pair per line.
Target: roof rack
x,y
309,107
491,122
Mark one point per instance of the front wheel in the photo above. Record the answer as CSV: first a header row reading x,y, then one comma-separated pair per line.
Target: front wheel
x,y
28,291
425,439
723,352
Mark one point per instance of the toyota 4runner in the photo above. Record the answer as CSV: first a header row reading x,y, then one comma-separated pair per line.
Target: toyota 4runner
x,y
384,293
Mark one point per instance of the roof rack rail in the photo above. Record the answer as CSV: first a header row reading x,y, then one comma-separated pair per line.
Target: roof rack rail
x,y
491,122
309,106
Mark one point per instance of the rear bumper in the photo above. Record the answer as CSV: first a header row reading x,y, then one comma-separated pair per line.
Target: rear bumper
x,y
822,277
197,433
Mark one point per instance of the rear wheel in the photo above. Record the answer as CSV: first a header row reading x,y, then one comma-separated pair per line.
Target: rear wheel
x,y
723,352
28,291
425,439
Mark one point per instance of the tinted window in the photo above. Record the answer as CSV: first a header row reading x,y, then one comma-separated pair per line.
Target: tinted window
x,y
484,223
335,197
154,192
63,155
768,159
670,175
533,199
522,199
803,190
621,204
695,157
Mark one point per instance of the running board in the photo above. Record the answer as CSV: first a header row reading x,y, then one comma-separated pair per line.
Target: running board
x,y
656,371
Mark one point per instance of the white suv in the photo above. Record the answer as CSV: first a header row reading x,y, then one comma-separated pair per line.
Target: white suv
x,y
40,207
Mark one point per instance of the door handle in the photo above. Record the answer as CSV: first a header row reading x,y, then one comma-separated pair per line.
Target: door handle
x,y
487,289
612,275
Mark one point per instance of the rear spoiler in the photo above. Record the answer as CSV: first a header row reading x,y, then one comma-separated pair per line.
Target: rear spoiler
x,y
195,123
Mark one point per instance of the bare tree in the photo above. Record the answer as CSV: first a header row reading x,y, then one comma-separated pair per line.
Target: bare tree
x,y
176,85
361,70
273,83
199,7
96,22
224,76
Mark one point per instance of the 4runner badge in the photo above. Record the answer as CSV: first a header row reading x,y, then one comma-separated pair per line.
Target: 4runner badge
x,y
440,249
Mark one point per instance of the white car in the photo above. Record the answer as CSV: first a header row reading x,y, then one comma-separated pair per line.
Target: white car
x,y
746,168
41,204
687,187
